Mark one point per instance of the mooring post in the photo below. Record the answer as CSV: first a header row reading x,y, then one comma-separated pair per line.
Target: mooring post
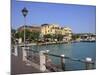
x,y
46,55
42,61
63,62
88,63
16,50
24,54
27,50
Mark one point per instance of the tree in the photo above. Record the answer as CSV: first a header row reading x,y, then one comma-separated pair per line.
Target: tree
x,y
75,36
35,36
20,34
60,37
17,35
48,36
27,34
13,31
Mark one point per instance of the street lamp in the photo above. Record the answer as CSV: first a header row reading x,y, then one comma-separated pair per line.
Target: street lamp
x,y
24,12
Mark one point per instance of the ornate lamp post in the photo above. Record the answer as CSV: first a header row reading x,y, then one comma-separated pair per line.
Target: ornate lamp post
x,y
24,12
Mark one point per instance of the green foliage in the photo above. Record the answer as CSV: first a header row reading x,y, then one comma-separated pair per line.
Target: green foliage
x,y
48,36
13,31
75,36
28,35
59,37
35,36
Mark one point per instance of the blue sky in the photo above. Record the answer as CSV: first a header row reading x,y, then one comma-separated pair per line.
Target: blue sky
x,y
80,18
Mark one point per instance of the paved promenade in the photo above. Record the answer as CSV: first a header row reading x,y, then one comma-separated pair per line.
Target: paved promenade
x,y
20,67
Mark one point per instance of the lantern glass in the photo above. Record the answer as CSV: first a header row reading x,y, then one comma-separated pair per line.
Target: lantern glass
x,y
24,12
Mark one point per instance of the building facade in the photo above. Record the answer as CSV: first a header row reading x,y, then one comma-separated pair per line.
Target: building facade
x,y
30,28
67,32
48,29
54,29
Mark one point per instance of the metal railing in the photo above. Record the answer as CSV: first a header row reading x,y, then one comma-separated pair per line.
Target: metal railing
x,y
88,62
42,58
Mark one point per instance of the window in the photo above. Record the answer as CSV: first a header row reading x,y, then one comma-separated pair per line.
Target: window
x,y
51,30
45,32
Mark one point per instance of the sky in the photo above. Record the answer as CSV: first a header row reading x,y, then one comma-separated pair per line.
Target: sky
x,y
80,18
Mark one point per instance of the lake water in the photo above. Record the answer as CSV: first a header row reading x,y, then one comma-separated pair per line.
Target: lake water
x,y
79,50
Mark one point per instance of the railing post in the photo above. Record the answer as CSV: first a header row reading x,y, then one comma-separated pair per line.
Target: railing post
x,y
88,63
16,50
24,53
42,61
63,62
46,55
28,52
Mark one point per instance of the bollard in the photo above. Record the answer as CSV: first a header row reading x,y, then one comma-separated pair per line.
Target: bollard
x,y
16,50
24,53
47,51
27,50
63,62
88,63
42,61
46,55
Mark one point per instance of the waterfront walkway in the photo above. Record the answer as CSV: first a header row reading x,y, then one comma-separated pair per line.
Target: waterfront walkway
x,y
32,65
19,67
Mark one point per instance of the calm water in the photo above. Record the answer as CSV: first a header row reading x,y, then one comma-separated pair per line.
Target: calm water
x,y
74,50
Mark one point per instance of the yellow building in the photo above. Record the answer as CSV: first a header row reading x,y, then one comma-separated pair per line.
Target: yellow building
x,y
55,29
67,32
49,29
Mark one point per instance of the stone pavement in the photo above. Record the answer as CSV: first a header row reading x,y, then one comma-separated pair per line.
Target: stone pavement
x,y
19,67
